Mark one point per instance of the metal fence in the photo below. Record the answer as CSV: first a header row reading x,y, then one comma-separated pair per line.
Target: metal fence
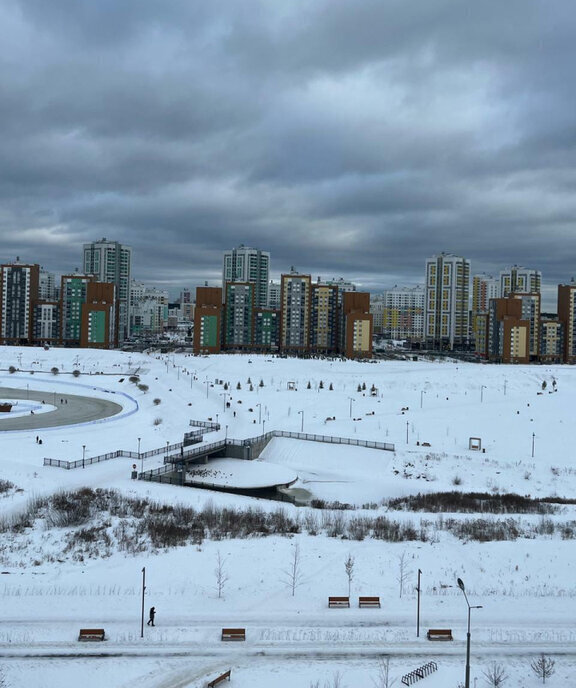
x,y
184,454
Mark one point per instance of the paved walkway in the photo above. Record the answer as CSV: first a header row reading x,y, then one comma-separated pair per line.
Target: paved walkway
x,y
78,410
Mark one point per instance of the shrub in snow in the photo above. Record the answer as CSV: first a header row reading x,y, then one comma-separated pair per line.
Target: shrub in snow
x,y
261,383
54,371
157,402
143,388
456,480
157,421
11,369
76,373
134,379
543,667
495,675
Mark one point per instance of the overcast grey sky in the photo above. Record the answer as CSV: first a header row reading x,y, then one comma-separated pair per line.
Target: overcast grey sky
x,y
349,138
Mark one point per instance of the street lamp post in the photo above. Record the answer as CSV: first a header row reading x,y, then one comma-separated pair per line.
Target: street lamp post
x,y
302,423
259,413
83,454
482,388
479,606
418,607
533,437
226,435
263,427
422,393
206,382
351,400
407,424
167,445
140,457
224,395
143,591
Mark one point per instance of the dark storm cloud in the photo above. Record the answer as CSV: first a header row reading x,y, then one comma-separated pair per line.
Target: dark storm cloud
x,y
351,138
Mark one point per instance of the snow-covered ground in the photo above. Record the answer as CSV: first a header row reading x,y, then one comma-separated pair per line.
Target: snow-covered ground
x,y
428,410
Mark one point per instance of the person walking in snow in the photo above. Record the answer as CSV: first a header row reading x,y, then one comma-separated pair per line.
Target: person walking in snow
x,y
152,615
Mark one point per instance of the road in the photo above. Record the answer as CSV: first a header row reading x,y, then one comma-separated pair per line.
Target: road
x,y
70,409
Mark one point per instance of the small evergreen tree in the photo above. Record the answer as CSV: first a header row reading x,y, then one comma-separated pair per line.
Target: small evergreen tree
x,y
309,385
238,386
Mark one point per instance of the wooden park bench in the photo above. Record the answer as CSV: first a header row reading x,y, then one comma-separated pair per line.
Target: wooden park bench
x,y
338,602
369,602
233,634
440,634
91,634
219,679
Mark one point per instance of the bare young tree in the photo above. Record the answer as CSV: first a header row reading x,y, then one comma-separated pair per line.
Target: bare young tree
x,y
220,573
543,667
349,568
403,572
383,678
495,675
293,574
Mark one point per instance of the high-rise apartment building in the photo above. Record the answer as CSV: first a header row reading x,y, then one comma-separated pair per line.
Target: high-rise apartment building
x,y
551,340
47,286
98,327
484,288
274,295
399,313
239,315
567,316
73,296
19,283
531,313
446,302
324,318
356,325
208,320
508,333
148,309
245,264
295,312
110,261
520,280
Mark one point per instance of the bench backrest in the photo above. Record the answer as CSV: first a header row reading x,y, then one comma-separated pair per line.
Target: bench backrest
x,y
91,633
339,599
369,599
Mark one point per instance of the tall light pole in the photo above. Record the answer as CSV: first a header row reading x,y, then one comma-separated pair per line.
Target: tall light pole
x,y
505,382
422,393
83,454
351,400
482,388
263,427
140,457
167,445
418,590
206,383
226,435
143,591
259,413
533,436
302,424
407,424
462,587
223,394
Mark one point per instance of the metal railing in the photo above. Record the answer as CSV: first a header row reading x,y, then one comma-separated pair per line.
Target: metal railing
x,y
214,446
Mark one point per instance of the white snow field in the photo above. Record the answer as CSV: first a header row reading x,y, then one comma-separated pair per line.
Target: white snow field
x,y
526,586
